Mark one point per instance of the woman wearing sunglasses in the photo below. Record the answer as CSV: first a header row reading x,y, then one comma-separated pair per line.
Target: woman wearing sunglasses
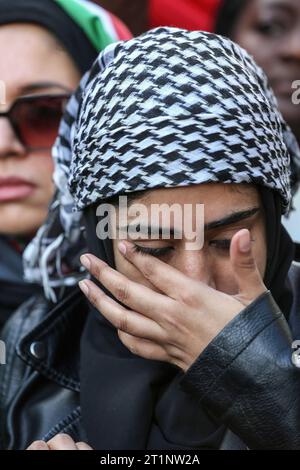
x,y
179,348
45,47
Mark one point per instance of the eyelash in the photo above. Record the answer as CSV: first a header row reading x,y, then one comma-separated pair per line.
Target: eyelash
x,y
222,245
156,252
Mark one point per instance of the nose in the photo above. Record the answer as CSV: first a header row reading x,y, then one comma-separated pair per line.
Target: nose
x,y
196,265
9,142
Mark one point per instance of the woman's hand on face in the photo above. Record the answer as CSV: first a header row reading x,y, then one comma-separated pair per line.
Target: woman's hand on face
x,y
177,323
59,442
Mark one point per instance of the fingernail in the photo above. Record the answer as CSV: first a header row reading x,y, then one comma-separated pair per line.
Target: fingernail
x,y
84,259
84,287
245,242
122,248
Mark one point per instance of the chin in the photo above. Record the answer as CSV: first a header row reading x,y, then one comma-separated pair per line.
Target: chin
x,y
21,224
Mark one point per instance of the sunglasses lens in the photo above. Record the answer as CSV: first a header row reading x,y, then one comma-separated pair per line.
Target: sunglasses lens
x,y
37,120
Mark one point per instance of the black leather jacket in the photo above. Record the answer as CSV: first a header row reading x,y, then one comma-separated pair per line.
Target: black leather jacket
x,y
39,385
14,291
245,378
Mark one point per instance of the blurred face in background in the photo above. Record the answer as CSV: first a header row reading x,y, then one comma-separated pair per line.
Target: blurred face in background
x,y
270,31
32,64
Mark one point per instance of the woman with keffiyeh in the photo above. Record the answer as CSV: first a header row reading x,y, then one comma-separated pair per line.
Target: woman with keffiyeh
x,y
180,348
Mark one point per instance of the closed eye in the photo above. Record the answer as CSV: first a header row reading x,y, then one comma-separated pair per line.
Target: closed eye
x,y
157,252
221,244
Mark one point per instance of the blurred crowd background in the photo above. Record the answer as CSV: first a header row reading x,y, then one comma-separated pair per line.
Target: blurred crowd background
x,y
141,15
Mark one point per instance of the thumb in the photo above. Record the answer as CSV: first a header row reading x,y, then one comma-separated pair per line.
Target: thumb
x,y
246,272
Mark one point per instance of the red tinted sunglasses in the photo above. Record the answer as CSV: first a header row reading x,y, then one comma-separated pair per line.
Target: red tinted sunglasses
x,y
35,119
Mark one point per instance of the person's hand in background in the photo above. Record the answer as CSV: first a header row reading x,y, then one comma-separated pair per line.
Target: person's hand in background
x,y
59,442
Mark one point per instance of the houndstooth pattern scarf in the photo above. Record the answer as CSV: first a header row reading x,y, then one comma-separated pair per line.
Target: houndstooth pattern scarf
x,y
169,108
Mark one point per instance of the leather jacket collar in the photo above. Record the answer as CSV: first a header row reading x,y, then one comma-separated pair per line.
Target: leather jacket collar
x,y
52,347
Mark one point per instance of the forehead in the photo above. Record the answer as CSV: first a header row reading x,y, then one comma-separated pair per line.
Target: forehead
x,y
261,5
211,195
26,44
276,3
23,48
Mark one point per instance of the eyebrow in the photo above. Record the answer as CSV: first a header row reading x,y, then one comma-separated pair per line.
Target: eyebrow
x,y
231,219
32,87
279,5
224,222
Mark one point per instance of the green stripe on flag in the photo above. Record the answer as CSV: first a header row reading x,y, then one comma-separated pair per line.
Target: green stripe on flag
x,y
89,22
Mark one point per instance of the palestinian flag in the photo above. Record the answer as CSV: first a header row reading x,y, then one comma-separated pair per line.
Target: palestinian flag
x,y
100,26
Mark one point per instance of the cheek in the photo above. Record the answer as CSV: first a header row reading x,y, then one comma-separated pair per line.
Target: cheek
x,y
260,48
223,276
40,167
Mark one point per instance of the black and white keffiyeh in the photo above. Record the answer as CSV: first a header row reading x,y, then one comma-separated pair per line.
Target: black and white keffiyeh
x,y
169,108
